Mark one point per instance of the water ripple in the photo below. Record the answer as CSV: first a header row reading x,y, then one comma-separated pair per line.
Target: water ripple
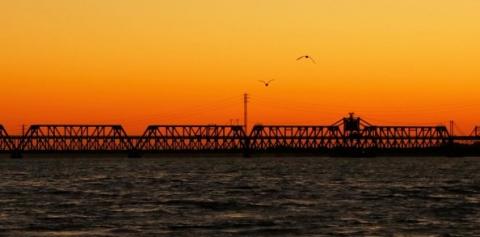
x,y
240,197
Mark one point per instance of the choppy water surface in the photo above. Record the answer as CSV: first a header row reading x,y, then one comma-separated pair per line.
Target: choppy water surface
x,y
240,197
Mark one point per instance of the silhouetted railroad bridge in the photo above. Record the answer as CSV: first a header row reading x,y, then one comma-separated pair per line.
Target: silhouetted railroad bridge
x,y
350,136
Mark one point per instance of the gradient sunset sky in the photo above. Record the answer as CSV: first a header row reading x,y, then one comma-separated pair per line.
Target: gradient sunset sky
x,y
139,62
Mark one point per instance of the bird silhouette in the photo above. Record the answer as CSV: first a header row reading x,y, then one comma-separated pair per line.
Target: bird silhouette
x,y
266,83
306,57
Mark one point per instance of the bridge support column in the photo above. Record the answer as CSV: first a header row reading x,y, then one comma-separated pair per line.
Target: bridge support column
x,y
246,147
134,154
16,155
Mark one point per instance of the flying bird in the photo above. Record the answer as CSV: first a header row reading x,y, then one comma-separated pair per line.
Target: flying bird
x,y
266,83
306,57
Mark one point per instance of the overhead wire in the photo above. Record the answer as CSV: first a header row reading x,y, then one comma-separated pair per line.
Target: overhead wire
x,y
368,114
224,103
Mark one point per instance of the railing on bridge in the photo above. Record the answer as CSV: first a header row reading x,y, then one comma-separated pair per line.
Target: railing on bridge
x,y
191,138
71,138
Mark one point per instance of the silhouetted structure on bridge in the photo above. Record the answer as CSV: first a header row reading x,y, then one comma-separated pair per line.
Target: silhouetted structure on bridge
x,y
350,136
476,132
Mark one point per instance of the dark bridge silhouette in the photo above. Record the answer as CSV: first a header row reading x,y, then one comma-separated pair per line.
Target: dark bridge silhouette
x,y
350,136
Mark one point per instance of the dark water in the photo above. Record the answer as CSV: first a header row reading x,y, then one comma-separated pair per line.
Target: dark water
x,y
240,197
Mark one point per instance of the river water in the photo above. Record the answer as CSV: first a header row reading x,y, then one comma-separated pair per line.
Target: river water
x,y
277,196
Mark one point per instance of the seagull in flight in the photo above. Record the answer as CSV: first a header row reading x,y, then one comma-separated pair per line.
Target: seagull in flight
x,y
266,83
306,57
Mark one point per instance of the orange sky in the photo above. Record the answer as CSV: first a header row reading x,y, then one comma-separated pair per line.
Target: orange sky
x,y
139,62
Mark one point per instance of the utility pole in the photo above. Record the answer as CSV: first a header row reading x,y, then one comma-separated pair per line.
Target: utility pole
x,y
452,124
245,112
246,140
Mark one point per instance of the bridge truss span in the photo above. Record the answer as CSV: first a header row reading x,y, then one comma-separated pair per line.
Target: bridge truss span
x,y
264,138
387,137
220,138
348,133
75,138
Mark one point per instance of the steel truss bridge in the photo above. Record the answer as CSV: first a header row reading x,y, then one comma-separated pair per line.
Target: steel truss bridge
x,y
350,135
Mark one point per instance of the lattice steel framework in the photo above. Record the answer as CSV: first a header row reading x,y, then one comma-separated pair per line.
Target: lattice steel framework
x,y
71,138
406,136
350,132
294,137
6,141
192,138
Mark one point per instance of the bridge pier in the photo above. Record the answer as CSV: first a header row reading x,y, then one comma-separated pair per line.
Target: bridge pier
x,y
16,155
134,154
246,148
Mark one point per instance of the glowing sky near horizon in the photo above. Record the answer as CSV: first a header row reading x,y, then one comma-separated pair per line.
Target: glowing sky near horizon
x,y
139,62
